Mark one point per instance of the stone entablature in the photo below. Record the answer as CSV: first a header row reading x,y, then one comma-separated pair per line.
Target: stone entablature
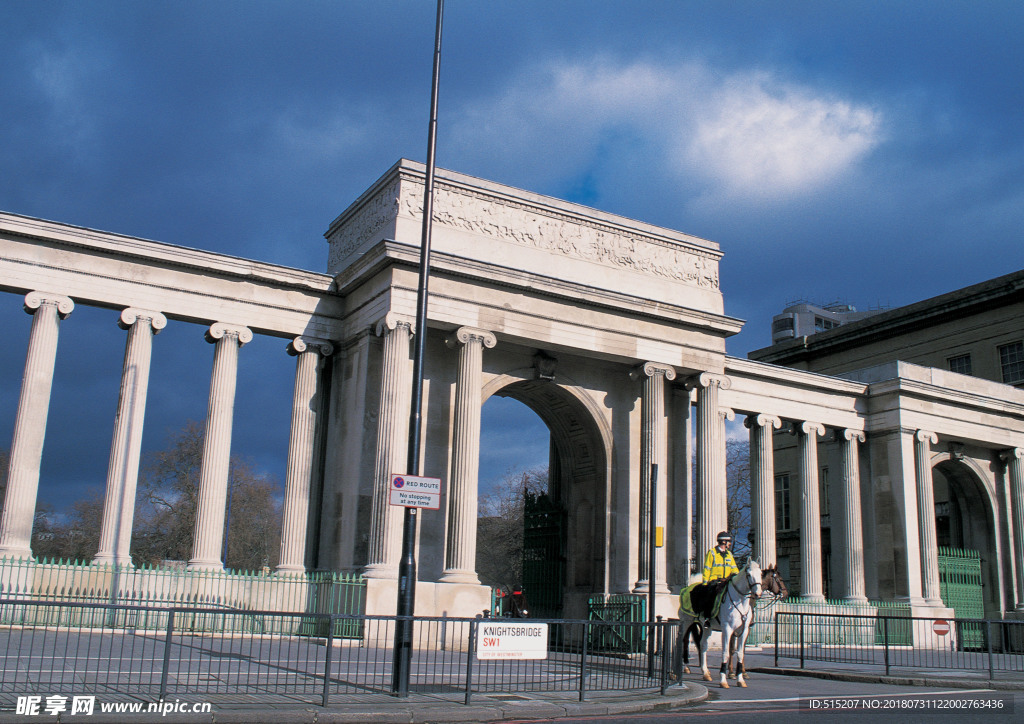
x,y
515,229
112,270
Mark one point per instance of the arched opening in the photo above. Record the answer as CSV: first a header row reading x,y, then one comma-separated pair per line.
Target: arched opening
x,y
567,533
965,536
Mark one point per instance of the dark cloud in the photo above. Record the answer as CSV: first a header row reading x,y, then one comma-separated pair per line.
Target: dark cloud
x,y
870,152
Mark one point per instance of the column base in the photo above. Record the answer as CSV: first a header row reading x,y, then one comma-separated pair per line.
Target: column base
x,y
456,576
381,571
21,554
200,565
109,560
290,570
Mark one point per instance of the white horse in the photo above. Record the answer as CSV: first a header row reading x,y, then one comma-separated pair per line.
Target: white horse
x,y
735,615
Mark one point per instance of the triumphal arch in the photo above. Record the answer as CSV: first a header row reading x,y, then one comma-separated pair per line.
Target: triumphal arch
x,y
613,331
602,325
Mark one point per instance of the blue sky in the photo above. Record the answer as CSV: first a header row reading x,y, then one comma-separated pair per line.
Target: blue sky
x,y
870,152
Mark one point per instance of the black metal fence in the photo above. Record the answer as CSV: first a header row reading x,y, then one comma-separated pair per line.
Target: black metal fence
x,y
93,648
901,641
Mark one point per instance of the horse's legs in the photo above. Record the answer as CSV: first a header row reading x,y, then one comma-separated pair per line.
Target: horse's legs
x,y
704,639
740,646
723,680
732,655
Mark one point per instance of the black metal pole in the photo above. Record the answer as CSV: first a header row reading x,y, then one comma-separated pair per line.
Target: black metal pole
x,y
652,543
407,564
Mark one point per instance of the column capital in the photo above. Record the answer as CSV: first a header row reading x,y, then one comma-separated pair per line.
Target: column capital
x,y
926,437
851,435
708,379
762,420
812,428
1011,454
219,330
34,300
650,369
726,413
463,335
131,315
313,344
391,321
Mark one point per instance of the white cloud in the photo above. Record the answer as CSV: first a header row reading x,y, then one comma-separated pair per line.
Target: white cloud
x,y
746,133
761,137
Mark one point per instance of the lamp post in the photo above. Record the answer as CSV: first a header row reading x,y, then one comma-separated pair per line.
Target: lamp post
x,y
407,563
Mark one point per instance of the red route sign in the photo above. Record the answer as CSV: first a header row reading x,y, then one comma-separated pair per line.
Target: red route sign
x,y
941,627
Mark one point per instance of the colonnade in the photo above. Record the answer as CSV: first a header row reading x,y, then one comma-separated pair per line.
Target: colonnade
x,y
656,430
20,499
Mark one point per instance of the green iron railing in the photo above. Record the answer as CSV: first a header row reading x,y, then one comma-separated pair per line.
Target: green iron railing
x,y
163,586
960,587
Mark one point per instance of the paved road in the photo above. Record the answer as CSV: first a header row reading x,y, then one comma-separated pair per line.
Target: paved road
x,y
773,699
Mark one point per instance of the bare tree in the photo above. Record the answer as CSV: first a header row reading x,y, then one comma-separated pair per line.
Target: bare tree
x,y
499,549
168,499
737,476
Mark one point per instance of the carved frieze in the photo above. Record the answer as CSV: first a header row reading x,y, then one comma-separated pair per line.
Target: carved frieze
x,y
529,225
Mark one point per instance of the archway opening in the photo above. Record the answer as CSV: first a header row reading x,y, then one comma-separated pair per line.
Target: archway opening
x,y
545,435
965,537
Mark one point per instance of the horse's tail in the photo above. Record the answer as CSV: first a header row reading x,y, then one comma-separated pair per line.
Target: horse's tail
x,y
696,630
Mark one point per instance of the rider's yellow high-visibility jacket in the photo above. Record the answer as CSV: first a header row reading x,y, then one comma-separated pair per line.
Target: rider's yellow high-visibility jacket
x,y
719,565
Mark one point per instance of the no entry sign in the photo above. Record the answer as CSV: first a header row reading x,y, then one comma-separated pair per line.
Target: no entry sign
x,y
507,640
415,491
941,627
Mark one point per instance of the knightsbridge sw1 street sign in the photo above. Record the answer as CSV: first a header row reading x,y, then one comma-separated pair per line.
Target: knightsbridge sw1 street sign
x,y
511,640
415,491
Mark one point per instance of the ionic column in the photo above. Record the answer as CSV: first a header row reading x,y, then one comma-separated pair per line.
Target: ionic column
x,y
711,495
653,450
811,587
47,311
301,442
762,478
385,537
208,536
460,551
126,448
1015,467
853,535
926,517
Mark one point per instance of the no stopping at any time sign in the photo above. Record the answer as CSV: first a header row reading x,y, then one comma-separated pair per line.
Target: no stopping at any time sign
x,y
415,491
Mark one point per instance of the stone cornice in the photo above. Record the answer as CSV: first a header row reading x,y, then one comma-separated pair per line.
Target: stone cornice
x,y
737,366
389,251
109,243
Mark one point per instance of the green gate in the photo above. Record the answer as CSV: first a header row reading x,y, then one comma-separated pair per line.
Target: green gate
x,y
544,537
627,608
960,587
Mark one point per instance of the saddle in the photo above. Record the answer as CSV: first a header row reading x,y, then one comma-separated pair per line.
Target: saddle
x,y
702,600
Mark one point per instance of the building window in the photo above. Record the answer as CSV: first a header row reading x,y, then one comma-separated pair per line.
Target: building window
x,y
1011,359
785,324
782,517
961,364
821,324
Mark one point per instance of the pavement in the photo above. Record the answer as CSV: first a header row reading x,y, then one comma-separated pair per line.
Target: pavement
x,y
511,706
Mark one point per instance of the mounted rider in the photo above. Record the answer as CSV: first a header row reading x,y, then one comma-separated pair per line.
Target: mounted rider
x,y
719,567
719,563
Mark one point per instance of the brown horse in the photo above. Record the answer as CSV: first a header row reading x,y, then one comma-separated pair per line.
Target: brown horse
x,y
771,582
